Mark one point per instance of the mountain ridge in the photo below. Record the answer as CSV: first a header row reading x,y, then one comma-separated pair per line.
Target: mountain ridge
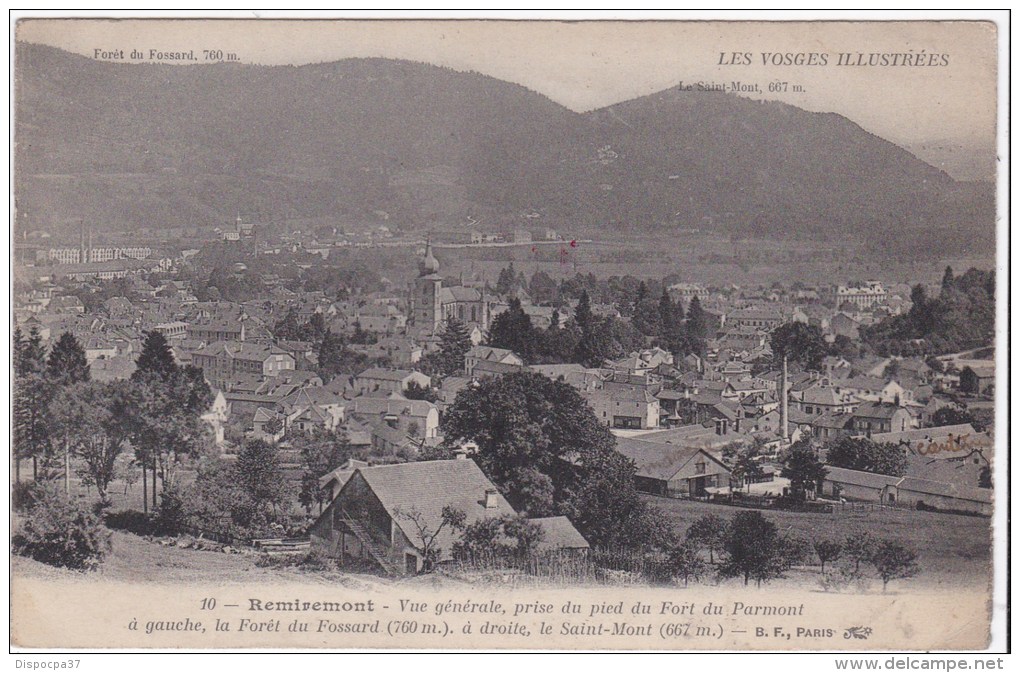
x,y
133,145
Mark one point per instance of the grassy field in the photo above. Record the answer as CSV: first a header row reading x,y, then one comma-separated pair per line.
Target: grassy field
x,y
951,549
136,559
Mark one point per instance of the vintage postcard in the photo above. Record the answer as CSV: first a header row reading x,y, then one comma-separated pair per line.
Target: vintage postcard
x,y
525,335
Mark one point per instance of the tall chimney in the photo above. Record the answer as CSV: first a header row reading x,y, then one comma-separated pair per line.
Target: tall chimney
x,y
784,412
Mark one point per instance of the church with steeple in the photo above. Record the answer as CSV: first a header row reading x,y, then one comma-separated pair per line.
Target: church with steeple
x,y
432,303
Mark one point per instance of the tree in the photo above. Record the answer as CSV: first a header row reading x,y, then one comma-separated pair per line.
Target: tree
x,y
805,472
859,548
30,418
746,468
708,531
67,367
289,326
799,342
67,363
320,455
859,453
273,426
416,391
595,345
894,561
156,358
260,477
508,537
696,328
512,330
685,562
507,281
827,551
336,359
62,532
947,279
427,532
91,420
754,549
951,416
165,411
29,354
671,325
582,314
453,346
543,447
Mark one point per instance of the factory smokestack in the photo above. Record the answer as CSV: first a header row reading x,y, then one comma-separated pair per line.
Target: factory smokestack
x,y
784,412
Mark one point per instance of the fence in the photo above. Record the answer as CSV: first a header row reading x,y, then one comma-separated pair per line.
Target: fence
x,y
594,566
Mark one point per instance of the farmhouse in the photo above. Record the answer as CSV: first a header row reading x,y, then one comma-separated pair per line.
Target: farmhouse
x,y
380,512
907,491
671,470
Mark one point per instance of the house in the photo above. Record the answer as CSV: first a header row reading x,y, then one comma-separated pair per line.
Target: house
x,y
673,470
265,417
416,418
873,418
335,480
823,399
217,416
766,319
912,492
977,379
494,370
222,361
842,324
628,407
380,512
841,482
377,379
924,493
219,329
478,354
872,389
575,375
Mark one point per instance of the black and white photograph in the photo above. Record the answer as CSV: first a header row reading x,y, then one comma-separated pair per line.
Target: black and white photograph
x,y
508,335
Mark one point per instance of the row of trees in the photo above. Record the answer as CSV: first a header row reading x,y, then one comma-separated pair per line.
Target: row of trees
x,y
750,546
61,416
590,339
961,317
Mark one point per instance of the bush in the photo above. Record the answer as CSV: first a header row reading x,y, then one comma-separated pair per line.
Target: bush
x,y
315,560
170,515
131,521
61,532
25,494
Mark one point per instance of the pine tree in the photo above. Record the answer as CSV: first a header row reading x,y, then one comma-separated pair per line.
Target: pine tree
x,y
29,354
582,314
331,355
156,358
512,330
670,322
696,330
453,346
642,295
947,279
67,363
507,280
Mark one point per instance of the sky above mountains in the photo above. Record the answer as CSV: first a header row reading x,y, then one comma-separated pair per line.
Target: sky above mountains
x,y
944,113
